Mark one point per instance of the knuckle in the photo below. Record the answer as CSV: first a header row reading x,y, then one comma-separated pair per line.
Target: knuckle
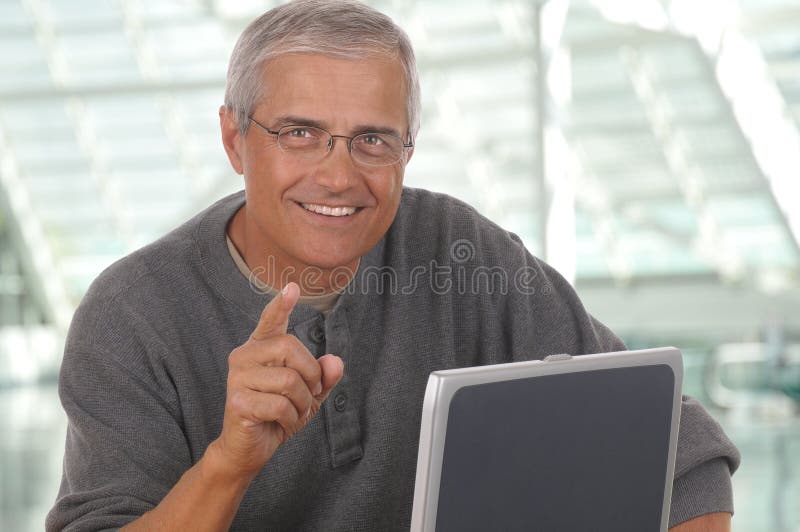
x,y
285,342
236,374
290,380
234,356
239,356
238,402
285,408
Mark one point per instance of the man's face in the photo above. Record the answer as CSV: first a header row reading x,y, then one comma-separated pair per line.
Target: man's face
x,y
344,97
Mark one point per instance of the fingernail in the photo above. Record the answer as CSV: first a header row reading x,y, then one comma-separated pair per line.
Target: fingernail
x,y
285,289
318,389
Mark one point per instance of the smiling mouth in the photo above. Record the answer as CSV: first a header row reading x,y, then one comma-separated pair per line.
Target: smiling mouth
x,y
325,210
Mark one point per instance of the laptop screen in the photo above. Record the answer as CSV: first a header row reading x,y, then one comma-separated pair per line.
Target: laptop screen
x,y
567,452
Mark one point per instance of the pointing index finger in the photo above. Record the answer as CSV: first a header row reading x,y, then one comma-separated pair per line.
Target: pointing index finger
x,y
274,318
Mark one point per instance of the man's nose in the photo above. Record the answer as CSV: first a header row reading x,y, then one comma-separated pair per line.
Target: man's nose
x,y
337,171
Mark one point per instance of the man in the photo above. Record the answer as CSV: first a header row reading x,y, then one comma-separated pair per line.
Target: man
x,y
262,367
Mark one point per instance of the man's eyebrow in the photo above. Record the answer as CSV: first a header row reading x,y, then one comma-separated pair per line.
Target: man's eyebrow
x,y
294,120
367,128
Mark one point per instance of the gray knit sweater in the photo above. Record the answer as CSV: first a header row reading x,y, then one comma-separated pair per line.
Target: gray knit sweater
x,y
145,365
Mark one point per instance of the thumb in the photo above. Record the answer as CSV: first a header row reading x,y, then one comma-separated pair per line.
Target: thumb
x,y
275,317
332,372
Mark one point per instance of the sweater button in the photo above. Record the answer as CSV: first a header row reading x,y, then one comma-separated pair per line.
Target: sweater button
x,y
340,402
317,334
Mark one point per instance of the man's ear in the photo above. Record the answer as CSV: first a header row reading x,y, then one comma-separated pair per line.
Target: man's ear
x,y
409,153
232,139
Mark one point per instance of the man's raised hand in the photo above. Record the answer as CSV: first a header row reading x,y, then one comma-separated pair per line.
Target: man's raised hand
x,y
275,386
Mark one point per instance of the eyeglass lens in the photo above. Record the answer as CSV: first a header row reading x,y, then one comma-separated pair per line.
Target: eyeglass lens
x,y
374,149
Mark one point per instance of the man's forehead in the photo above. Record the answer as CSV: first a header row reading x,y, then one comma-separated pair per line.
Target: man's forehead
x,y
372,90
380,67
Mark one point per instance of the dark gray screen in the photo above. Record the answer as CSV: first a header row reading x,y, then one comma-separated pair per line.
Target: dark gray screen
x,y
571,452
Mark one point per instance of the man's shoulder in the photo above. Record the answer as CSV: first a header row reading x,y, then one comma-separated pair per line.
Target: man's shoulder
x,y
425,209
142,303
434,203
435,222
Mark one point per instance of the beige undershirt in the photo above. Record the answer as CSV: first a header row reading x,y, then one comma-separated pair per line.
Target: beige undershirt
x,y
323,303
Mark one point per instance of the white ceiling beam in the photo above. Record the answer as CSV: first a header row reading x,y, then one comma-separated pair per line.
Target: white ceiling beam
x,y
709,240
775,149
27,233
762,114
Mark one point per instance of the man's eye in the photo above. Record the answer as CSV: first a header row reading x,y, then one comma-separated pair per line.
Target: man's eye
x,y
299,132
372,140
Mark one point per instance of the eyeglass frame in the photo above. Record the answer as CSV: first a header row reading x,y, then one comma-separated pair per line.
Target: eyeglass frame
x,y
406,145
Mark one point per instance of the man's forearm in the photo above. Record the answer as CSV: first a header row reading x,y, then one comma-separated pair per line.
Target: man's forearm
x,y
206,498
716,522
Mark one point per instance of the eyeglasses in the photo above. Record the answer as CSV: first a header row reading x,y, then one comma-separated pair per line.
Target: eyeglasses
x,y
312,143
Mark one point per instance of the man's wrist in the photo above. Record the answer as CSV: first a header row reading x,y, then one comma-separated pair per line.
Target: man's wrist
x,y
213,467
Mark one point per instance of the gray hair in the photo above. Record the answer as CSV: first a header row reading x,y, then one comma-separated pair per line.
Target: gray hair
x,y
338,28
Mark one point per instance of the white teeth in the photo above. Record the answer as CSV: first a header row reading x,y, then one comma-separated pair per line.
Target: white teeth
x,y
328,211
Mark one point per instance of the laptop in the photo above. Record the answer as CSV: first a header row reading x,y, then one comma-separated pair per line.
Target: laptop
x,y
562,444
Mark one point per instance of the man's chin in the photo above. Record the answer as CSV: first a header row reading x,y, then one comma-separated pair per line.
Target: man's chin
x,y
332,261
329,274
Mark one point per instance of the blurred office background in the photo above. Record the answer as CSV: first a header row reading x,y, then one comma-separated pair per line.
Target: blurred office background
x,y
649,149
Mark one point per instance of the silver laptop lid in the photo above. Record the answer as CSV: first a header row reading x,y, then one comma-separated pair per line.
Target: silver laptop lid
x,y
566,444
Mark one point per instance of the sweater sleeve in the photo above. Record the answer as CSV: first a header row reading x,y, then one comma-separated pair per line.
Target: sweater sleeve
x,y
125,448
705,461
706,458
